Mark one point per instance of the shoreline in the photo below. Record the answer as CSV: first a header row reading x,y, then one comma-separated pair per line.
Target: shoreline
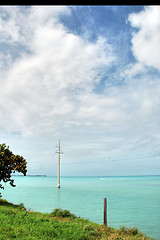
x,y
59,224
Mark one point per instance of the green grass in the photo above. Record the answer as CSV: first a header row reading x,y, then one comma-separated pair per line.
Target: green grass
x,y
18,223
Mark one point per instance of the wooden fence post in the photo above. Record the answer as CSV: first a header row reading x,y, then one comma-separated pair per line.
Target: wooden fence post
x,y
105,211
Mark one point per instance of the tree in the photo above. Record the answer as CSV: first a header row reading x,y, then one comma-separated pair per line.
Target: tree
x,y
9,163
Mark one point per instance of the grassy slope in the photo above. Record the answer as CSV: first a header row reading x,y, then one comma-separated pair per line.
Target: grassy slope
x,y
16,222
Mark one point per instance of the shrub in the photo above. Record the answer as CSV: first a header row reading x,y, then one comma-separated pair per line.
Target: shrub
x,y
58,212
21,206
131,231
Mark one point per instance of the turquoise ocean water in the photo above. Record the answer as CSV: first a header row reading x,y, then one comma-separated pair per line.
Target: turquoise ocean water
x,y
131,201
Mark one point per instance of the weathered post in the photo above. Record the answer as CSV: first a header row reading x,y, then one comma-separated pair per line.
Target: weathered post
x,y
105,211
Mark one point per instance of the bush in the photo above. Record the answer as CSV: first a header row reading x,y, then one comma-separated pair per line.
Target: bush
x,y
21,206
131,231
58,212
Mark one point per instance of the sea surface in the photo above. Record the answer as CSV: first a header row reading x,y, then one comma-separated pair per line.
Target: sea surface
x,y
131,201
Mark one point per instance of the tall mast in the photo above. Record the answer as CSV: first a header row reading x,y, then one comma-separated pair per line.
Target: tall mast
x,y
59,153
58,186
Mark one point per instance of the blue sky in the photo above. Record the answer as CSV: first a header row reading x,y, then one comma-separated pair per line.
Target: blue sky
x,y
87,75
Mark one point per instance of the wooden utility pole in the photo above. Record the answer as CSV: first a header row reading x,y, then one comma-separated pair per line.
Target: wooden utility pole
x,y
59,153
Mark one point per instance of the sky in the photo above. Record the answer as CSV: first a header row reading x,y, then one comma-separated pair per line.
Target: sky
x,y
88,76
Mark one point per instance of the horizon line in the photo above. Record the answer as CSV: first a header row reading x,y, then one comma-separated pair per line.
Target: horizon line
x,y
44,175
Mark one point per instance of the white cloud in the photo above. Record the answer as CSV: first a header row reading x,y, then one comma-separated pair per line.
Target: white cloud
x,y
42,85
17,24
54,80
145,41
49,86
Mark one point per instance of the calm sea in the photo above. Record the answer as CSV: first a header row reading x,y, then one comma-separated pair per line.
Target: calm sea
x,y
131,201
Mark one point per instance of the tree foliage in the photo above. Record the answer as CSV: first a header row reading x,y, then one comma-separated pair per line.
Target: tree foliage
x,y
10,163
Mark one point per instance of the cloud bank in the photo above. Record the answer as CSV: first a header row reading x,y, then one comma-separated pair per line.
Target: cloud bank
x,y
146,41
50,80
